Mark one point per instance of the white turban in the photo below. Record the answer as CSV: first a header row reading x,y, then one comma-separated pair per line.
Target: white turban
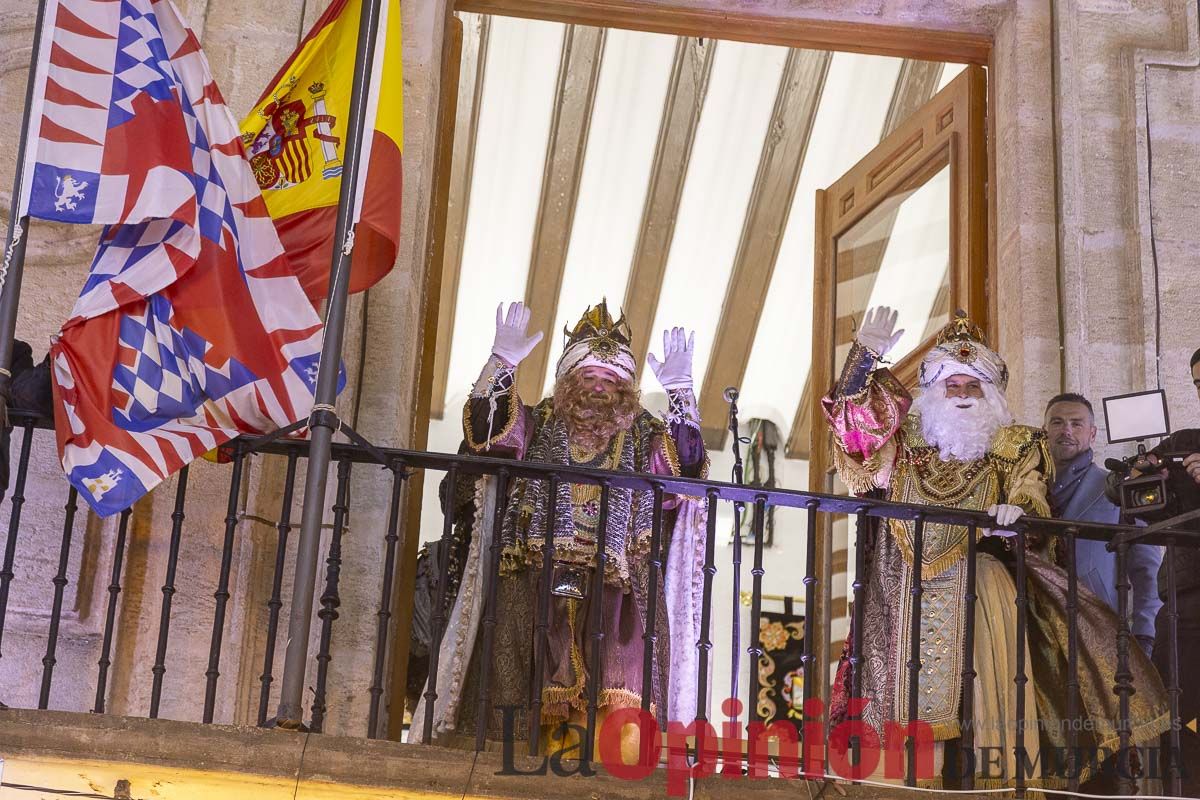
x,y
960,350
597,353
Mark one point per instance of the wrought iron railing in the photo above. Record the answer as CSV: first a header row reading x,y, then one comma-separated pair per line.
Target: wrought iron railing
x,y
403,463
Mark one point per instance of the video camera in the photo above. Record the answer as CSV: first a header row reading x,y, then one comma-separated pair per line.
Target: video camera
x,y
1134,418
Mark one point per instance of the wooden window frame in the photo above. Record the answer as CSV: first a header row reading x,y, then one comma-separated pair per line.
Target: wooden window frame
x,y
948,130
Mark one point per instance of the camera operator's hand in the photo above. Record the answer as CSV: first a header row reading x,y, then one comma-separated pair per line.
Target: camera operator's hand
x,y
1147,463
1192,465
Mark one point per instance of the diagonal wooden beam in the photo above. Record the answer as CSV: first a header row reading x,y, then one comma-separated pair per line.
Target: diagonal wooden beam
x,y
470,95
578,75
686,90
941,307
915,85
779,165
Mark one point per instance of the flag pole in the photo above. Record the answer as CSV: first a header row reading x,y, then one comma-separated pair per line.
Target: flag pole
x,y
324,422
13,263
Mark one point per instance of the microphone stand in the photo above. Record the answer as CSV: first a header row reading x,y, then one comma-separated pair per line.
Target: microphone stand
x,y
731,397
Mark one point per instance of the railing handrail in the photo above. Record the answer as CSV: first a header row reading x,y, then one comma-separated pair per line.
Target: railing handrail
x,y
692,487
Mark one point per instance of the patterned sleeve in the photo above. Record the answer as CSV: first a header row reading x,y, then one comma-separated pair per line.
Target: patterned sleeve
x,y
864,426
495,421
1027,483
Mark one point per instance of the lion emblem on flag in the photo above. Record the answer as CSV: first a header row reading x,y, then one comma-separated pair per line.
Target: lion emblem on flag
x,y
67,191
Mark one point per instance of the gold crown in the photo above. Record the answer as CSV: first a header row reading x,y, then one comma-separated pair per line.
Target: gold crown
x,y
961,329
316,88
597,323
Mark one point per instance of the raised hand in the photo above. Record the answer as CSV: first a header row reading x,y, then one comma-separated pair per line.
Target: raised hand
x,y
511,343
675,370
877,332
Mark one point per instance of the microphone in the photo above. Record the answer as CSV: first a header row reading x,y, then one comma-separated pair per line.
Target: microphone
x,y
1116,465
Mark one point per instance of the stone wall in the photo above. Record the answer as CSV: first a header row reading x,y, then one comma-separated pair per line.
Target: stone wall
x,y
245,44
1073,86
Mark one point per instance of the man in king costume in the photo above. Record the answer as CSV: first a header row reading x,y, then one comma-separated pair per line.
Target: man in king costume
x,y
593,419
955,445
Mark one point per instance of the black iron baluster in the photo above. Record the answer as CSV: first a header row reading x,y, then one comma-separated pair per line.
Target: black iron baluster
x,y
810,599
1124,677
650,636
596,667
967,756
168,591
221,595
439,613
60,585
491,581
541,630
1072,661
14,525
914,645
1174,775
704,645
1021,679
384,617
856,622
110,617
330,600
755,649
282,529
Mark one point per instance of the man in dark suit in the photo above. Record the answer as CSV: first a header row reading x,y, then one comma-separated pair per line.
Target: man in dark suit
x,y
1183,495
1078,494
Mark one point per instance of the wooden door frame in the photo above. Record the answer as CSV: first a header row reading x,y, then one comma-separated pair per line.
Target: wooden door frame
x,y
950,129
973,47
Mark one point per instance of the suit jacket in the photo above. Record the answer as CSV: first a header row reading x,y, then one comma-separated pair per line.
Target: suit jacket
x,y
1097,567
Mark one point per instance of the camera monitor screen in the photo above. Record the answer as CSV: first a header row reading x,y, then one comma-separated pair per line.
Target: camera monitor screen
x,y
1141,415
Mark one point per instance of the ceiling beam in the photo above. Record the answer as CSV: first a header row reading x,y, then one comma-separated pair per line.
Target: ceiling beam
x,y
767,212
470,95
756,27
915,85
690,72
578,75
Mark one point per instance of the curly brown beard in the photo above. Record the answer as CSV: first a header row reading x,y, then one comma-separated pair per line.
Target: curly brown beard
x,y
593,418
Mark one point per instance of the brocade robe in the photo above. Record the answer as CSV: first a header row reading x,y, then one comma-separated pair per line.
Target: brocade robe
x,y
878,445
514,430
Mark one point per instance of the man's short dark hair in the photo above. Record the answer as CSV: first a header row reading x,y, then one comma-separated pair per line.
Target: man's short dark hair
x,y
1073,397
1195,359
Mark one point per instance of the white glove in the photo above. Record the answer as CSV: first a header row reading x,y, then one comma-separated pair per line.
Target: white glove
x,y
511,343
877,332
1005,514
675,370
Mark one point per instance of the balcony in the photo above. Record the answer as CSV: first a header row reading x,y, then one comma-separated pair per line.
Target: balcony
x,y
117,692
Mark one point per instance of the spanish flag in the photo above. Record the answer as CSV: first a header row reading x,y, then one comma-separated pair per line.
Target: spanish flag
x,y
295,138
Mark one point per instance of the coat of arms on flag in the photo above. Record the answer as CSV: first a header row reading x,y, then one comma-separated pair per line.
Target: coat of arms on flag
x,y
281,153
192,326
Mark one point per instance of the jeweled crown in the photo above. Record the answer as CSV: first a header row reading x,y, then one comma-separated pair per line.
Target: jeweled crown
x,y
597,323
961,329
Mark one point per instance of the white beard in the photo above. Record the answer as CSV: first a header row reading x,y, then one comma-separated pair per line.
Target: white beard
x,y
961,433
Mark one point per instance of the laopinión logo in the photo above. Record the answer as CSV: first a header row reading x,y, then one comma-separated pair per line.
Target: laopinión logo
x,y
694,750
